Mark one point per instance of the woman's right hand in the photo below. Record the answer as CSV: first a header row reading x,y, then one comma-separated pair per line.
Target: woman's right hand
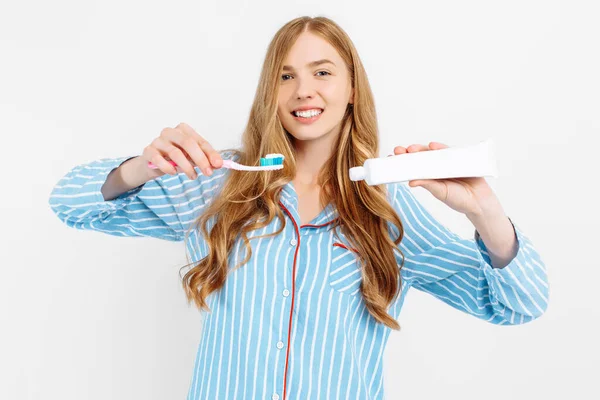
x,y
186,148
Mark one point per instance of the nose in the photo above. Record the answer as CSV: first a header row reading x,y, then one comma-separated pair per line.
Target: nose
x,y
304,89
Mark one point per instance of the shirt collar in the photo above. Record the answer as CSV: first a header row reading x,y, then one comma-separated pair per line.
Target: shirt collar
x,y
289,199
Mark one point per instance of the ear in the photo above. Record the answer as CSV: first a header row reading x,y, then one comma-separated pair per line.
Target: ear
x,y
351,101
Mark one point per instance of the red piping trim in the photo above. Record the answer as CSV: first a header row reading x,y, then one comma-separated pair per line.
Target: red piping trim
x,y
344,246
287,355
292,309
317,226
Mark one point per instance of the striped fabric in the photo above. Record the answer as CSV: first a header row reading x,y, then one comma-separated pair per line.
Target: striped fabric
x,y
291,323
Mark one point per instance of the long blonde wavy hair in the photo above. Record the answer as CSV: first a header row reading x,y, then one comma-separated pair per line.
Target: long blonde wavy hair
x,y
250,201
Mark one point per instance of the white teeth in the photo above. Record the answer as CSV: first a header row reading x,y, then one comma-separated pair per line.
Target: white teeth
x,y
308,113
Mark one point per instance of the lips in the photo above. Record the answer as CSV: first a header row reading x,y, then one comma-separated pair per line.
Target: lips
x,y
310,120
307,109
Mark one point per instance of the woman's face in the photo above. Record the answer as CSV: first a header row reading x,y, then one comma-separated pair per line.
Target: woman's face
x,y
314,79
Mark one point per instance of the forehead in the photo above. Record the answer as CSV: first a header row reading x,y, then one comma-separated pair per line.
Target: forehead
x,y
310,47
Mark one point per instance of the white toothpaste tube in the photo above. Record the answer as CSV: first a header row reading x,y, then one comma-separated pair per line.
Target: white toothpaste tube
x,y
476,160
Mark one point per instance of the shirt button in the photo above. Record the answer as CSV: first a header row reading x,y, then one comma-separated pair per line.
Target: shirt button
x,y
275,396
293,242
286,293
280,345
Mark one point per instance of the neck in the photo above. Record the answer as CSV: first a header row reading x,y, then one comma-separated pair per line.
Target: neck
x,y
311,155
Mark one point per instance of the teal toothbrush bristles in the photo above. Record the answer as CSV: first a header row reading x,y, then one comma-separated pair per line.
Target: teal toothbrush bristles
x,y
271,159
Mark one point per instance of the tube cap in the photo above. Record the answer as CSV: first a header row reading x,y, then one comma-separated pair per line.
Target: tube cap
x,y
357,173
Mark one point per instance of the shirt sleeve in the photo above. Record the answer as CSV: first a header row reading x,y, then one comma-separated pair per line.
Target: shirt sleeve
x,y
162,208
459,272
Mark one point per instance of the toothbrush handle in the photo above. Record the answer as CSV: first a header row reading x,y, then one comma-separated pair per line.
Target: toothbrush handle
x,y
233,165
226,164
152,166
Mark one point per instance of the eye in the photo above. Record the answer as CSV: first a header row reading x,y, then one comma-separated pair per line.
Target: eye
x,y
284,75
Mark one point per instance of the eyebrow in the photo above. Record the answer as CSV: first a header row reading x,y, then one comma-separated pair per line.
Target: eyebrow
x,y
311,64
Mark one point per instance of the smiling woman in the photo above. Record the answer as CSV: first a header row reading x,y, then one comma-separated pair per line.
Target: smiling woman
x,y
301,273
315,78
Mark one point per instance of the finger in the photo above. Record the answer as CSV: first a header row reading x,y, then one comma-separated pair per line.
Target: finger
x,y
399,150
421,182
213,156
169,149
413,148
152,154
190,148
437,145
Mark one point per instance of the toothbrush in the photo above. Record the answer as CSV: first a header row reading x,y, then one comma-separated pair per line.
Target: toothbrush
x,y
453,162
270,162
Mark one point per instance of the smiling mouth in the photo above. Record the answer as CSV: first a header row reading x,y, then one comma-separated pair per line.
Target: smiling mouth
x,y
308,115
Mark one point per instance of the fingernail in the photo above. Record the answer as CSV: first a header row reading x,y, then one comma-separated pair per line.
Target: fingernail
x,y
209,171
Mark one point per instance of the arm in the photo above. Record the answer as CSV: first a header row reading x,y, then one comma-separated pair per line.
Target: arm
x,y
103,196
459,271
127,176
498,233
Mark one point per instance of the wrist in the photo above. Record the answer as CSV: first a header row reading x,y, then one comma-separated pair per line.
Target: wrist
x,y
135,172
490,208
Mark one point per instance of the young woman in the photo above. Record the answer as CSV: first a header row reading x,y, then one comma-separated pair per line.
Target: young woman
x,y
300,274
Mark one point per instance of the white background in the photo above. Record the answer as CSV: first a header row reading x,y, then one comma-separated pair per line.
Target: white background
x,y
92,316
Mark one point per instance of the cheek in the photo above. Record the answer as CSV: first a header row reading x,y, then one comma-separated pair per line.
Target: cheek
x,y
283,115
280,106
281,103
334,94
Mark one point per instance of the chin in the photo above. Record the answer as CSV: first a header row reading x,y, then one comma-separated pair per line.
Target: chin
x,y
307,134
307,137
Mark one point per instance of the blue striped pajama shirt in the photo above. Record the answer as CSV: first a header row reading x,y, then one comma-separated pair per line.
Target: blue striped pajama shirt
x,y
291,323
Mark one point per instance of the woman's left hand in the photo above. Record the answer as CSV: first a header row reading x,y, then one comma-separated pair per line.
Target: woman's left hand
x,y
470,196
